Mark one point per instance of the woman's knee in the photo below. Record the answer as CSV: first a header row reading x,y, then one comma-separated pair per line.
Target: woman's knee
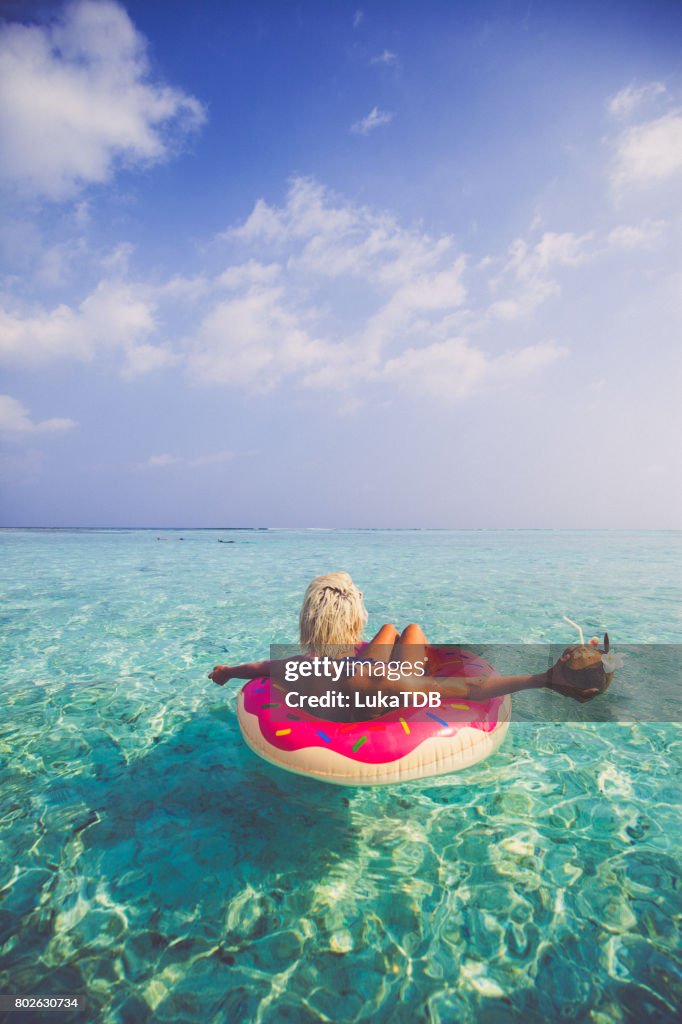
x,y
413,634
387,630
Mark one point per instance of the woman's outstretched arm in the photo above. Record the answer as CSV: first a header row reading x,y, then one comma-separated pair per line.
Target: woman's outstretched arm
x,y
251,670
484,687
480,688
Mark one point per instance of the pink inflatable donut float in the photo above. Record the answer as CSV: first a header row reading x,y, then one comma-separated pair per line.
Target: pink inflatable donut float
x,y
407,743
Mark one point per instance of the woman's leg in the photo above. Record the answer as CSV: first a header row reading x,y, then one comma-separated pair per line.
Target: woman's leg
x,y
379,648
410,645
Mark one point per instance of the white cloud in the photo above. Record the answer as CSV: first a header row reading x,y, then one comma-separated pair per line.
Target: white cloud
x,y
374,119
417,304
166,459
143,359
525,300
527,275
184,289
117,260
387,57
116,315
310,212
318,293
243,275
633,97
358,18
58,262
284,321
256,340
649,152
558,249
157,461
270,330
324,235
34,340
263,222
454,369
636,236
15,420
76,99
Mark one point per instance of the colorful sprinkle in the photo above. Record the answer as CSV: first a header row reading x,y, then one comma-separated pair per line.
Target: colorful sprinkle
x,y
278,686
348,728
437,719
270,705
376,728
358,743
282,732
294,718
259,689
461,707
405,726
327,739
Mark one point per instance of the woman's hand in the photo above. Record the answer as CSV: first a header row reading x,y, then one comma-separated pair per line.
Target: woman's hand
x,y
563,680
220,674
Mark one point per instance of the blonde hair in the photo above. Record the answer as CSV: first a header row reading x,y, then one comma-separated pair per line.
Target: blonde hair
x,y
332,615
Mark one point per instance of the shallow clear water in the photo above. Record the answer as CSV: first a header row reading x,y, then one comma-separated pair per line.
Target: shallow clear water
x,y
151,863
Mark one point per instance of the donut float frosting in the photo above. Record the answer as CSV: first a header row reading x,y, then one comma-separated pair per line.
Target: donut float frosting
x,y
405,743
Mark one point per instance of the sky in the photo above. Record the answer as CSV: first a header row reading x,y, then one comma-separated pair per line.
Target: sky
x,y
388,264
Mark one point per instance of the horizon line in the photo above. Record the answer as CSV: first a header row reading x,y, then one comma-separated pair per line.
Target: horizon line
x,y
361,529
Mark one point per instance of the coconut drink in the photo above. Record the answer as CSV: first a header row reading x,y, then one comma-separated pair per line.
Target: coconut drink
x,y
586,666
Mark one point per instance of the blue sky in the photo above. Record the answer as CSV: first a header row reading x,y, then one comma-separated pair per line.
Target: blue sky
x,y
328,264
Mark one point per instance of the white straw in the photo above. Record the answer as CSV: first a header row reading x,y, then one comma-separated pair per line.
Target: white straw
x,y
576,626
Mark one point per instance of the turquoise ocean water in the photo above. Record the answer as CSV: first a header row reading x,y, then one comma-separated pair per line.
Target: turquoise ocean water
x,y
152,864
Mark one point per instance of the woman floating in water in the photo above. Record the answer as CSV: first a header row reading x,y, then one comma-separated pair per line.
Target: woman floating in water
x,y
332,619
